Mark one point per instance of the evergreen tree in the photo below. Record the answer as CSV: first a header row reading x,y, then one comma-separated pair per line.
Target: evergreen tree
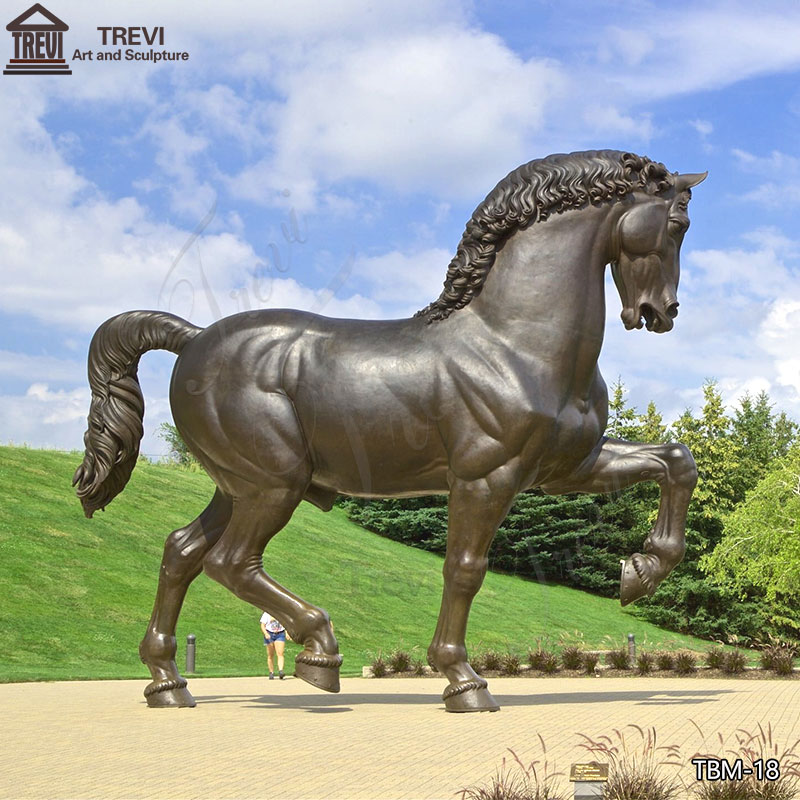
x,y
709,437
552,538
417,521
651,426
785,434
759,552
760,437
622,420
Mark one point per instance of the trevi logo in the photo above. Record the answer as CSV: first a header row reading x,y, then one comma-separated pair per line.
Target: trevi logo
x,y
38,44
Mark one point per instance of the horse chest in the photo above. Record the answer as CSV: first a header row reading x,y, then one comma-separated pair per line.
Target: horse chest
x,y
555,445
577,430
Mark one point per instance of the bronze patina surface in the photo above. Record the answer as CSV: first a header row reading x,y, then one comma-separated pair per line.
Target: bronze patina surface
x,y
490,390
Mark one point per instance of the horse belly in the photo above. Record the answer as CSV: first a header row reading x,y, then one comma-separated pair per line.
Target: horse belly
x,y
366,443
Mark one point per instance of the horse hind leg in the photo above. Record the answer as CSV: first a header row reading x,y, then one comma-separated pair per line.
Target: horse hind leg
x,y
236,563
182,562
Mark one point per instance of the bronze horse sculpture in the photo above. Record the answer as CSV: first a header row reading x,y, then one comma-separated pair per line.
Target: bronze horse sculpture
x,y
490,390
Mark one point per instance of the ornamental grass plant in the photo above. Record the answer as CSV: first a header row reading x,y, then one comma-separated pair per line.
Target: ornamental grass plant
x,y
517,781
665,660
537,657
572,657
491,661
645,663
761,748
549,663
399,661
589,662
779,657
714,658
618,659
639,768
379,667
734,662
685,662
510,664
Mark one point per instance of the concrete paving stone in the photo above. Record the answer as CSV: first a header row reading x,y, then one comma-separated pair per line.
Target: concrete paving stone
x,y
377,740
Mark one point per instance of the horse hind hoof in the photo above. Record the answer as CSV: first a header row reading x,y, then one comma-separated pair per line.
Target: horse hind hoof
x,y
319,670
634,582
169,694
469,696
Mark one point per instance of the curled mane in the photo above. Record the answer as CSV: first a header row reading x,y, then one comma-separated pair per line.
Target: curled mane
x,y
531,193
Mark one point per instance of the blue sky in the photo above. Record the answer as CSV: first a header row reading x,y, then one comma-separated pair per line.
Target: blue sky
x,y
336,152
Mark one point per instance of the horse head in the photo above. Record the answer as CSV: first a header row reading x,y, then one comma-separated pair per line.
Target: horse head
x,y
645,260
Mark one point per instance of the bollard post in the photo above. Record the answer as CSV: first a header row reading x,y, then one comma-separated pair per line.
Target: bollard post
x,y
190,652
631,648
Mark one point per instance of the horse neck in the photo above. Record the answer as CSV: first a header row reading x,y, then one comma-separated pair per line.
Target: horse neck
x,y
545,291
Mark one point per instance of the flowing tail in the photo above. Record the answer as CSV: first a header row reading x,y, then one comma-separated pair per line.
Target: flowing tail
x,y
117,408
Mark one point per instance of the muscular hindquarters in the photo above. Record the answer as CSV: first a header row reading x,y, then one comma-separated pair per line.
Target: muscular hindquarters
x,y
255,399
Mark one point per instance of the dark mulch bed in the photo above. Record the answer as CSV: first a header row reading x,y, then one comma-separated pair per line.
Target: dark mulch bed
x,y
700,674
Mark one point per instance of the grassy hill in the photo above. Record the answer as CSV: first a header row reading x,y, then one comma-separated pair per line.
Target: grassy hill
x,y
77,593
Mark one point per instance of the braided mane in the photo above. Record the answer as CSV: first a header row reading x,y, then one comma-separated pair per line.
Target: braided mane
x,y
529,194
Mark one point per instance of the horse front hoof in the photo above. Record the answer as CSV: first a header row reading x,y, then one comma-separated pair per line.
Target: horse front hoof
x,y
469,696
319,670
634,582
169,694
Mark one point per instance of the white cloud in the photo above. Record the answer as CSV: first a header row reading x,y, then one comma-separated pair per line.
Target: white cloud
x,y
45,417
774,195
403,283
775,164
177,149
743,274
446,111
676,50
702,126
14,365
606,120
619,43
74,257
62,406
783,173
778,336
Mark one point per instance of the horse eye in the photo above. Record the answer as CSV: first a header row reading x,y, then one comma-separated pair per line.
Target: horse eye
x,y
677,225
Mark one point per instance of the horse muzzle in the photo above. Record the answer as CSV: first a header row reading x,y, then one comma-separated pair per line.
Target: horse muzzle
x,y
650,316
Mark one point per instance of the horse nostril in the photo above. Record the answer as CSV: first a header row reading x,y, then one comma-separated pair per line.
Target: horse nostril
x,y
672,310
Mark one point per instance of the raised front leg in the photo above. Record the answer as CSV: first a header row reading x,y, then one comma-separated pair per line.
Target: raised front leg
x,y
616,464
476,509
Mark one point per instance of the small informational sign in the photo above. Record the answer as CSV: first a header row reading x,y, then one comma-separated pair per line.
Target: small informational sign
x,y
591,771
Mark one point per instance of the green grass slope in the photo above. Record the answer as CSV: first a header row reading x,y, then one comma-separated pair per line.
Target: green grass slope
x,y
76,594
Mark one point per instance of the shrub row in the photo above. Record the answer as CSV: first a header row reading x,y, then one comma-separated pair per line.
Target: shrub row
x,y
777,658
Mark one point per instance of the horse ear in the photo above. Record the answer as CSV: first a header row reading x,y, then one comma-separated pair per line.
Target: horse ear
x,y
684,182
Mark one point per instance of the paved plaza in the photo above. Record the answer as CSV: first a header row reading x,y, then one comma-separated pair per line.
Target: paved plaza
x,y
389,738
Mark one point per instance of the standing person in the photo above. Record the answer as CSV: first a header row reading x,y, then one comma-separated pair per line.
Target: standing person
x,y
275,640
